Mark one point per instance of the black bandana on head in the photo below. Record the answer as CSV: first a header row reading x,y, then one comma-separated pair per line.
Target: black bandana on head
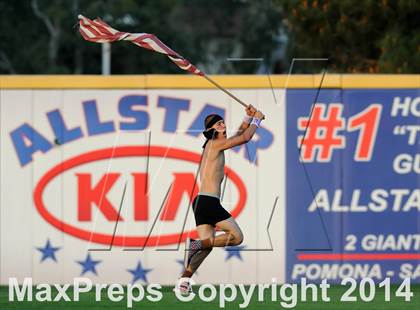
x,y
211,120
208,123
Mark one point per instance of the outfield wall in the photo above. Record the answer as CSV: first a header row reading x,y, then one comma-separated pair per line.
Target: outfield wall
x,y
132,144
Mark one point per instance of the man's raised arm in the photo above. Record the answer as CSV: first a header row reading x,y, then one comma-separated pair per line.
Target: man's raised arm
x,y
250,112
242,138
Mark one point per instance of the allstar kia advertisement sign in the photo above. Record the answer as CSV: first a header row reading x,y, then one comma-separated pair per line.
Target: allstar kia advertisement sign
x,y
99,183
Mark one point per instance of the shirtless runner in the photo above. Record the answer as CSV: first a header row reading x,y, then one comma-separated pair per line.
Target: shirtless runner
x,y
208,212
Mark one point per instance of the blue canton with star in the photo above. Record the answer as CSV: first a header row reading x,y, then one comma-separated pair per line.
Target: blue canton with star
x,y
48,251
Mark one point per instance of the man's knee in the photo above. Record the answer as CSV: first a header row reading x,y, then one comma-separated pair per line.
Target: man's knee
x,y
238,237
207,243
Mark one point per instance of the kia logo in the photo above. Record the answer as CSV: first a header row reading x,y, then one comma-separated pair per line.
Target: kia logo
x,y
89,194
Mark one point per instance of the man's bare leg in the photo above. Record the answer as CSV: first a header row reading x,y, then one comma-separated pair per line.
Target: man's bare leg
x,y
205,232
232,236
232,233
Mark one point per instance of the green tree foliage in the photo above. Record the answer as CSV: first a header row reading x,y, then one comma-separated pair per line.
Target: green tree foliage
x,y
368,36
38,36
377,36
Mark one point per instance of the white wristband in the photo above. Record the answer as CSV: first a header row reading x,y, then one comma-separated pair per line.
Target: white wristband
x,y
247,119
256,122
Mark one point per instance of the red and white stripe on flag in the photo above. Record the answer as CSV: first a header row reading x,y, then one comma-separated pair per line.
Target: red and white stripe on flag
x,y
100,32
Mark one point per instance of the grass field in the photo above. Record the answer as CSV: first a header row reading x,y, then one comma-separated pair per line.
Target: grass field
x,y
169,301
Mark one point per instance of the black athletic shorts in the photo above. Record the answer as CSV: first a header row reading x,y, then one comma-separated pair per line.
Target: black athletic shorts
x,y
208,210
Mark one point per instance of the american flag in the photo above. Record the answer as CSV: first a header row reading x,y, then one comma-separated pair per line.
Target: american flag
x,y
100,32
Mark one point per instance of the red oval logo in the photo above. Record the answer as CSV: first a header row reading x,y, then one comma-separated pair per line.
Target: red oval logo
x,y
126,151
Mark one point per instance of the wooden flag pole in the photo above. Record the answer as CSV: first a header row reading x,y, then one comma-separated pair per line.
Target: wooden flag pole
x,y
225,91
